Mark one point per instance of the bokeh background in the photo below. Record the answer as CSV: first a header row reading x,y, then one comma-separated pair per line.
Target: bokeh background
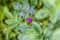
x,y
29,19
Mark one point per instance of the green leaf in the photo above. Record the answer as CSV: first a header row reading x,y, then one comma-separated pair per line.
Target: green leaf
x,y
54,16
29,37
9,21
42,14
21,13
14,25
15,17
50,26
50,3
26,15
58,12
26,6
31,31
56,34
26,37
32,10
37,27
47,32
8,15
23,27
17,5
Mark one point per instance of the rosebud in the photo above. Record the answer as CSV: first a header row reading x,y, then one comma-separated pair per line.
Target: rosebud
x,y
29,20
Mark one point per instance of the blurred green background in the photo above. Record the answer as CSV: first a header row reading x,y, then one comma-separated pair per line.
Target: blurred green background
x,y
14,15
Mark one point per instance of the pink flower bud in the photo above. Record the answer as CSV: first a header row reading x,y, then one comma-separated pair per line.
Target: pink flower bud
x,y
29,20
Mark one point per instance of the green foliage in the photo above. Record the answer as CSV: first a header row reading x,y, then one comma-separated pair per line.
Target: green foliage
x,y
54,16
37,27
56,34
50,3
26,37
42,14
45,16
